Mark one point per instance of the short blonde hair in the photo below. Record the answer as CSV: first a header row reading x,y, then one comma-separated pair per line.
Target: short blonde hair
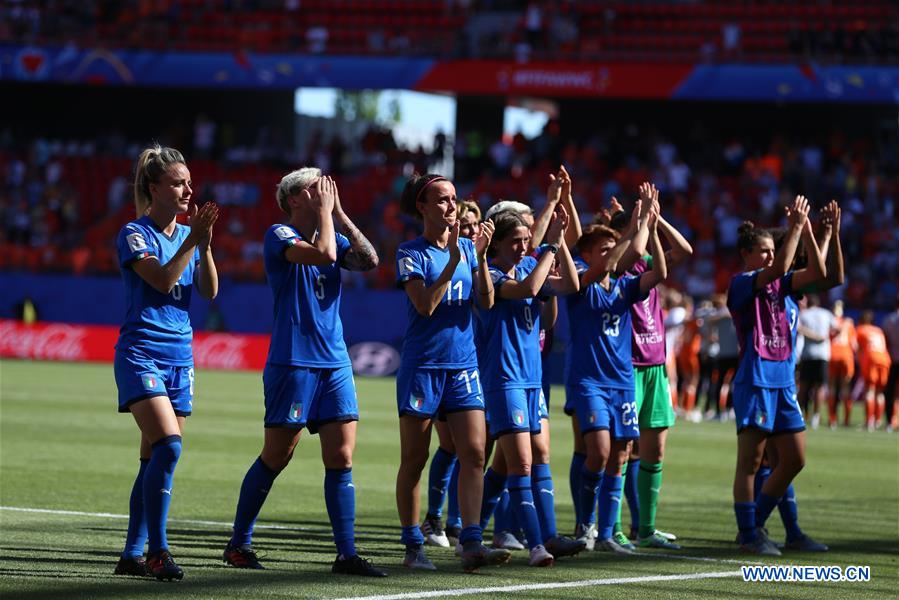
x,y
295,182
468,206
512,205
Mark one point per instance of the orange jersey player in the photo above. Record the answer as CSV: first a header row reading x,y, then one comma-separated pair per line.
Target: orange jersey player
x,y
874,363
843,348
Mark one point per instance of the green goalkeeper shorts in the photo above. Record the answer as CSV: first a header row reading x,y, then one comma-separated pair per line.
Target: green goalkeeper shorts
x,y
653,397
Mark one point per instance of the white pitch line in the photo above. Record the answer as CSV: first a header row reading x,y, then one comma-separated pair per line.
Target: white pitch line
x,y
78,513
549,586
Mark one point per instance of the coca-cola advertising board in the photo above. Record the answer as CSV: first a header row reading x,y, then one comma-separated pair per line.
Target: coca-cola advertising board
x,y
96,343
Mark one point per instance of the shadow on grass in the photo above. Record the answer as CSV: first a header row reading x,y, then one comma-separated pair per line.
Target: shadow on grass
x,y
215,583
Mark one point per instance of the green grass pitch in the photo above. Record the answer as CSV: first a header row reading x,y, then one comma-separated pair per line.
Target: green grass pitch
x,y
63,447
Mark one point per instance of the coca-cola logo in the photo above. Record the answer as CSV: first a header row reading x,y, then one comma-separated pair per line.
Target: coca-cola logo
x,y
53,342
220,351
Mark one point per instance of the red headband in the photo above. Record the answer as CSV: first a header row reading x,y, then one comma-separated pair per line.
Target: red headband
x,y
425,186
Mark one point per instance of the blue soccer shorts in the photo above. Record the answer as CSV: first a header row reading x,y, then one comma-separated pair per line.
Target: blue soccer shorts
x,y
297,397
606,408
772,410
515,411
429,393
139,377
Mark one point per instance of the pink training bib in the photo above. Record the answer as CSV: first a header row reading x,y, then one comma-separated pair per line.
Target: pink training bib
x,y
771,333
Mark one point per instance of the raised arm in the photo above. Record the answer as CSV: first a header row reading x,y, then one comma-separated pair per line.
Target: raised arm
x,y
567,281
483,283
426,299
541,223
163,278
659,271
815,271
832,248
531,285
362,255
574,231
680,247
632,245
637,232
797,217
323,249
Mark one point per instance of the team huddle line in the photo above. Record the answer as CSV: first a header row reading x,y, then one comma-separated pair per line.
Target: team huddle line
x,y
482,301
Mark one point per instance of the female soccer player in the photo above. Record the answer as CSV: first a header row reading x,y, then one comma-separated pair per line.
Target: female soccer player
x,y
655,414
601,375
308,377
631,247
443,475
162,261
438,377
843,347
764,386
874,367
513,378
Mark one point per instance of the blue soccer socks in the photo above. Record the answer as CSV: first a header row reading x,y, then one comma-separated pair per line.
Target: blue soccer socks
x,y
255,488
522,503
340,499
137,521
609,502
545,499
158,489
439,477
494,484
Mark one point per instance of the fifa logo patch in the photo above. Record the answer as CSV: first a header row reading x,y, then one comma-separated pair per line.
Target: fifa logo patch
x,y
296,409
149,381
761,418
518,417
416,403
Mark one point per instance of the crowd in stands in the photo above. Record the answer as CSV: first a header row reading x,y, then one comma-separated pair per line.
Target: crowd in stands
x,y
63,201
683,30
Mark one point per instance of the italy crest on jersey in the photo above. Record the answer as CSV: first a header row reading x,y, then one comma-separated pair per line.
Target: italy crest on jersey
x,y
416,403
518,417
150,381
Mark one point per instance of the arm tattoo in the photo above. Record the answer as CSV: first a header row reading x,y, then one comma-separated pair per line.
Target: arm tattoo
x,y
361,255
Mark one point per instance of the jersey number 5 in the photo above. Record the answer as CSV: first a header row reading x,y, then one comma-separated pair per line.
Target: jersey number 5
x,y
320,287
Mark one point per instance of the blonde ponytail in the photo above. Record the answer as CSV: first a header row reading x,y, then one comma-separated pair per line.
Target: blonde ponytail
x,y
151,164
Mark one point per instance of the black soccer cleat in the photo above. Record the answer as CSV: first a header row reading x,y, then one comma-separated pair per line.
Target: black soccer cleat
x,y
129,565
162,566
356,565
241,557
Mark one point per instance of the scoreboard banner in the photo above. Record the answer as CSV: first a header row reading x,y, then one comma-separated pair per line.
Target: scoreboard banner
x,y
784,82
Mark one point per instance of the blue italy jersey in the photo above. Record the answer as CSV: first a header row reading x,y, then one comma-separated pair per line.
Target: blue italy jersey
x,y
445,340
600,331
307,329
511,336
156,324
763,330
